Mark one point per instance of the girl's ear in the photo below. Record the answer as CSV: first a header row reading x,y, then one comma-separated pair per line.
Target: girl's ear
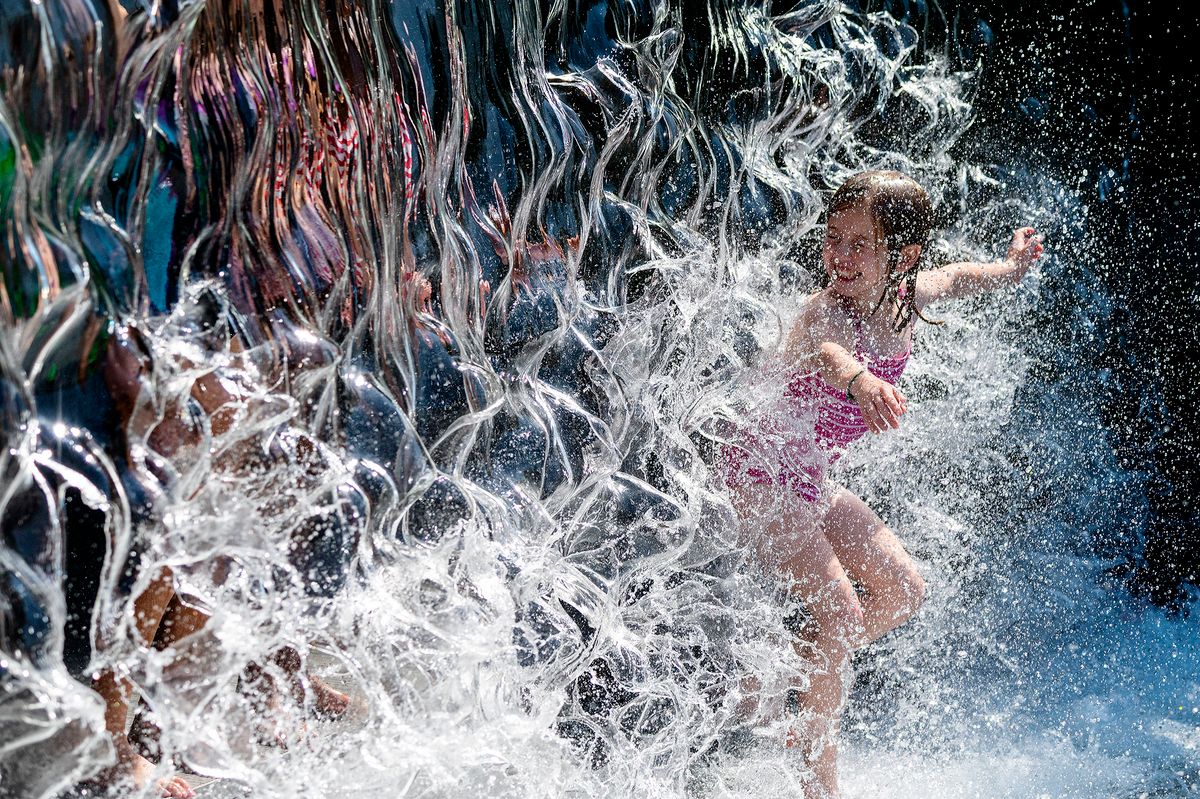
x,y
908,258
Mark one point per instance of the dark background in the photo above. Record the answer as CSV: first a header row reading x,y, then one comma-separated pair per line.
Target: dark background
x,y
1102,97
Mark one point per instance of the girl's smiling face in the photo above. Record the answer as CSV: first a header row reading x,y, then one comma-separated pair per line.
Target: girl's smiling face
x,y
855,257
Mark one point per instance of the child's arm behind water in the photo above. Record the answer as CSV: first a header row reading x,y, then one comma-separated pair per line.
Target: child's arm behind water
x,y
967,279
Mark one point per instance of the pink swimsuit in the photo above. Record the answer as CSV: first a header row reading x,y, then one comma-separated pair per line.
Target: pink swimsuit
x,y
777,451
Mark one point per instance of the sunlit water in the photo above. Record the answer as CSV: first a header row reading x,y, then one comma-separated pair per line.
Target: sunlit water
x,y
491,512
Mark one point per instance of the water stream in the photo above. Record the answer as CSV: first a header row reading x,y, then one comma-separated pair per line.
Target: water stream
x,y
403,334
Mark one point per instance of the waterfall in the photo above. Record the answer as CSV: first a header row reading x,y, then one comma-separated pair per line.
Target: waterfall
x,y
404,335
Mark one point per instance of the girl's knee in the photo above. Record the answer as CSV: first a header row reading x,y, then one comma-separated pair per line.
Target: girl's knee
x,y
911,586
902,589
912,589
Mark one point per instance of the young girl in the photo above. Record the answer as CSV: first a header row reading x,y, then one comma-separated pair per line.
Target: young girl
x,y
845,353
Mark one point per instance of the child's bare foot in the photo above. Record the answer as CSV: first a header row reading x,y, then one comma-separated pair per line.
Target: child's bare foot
x,y
173,786
281,706
132,768
327,700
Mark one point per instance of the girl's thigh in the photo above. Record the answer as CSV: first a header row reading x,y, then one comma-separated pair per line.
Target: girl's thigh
x,y
864,545
786,535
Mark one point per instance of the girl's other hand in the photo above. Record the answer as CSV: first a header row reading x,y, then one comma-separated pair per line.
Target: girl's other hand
x,y
1026,247
881,403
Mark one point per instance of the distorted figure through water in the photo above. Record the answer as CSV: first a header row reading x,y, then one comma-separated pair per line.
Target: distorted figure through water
x,y
217,414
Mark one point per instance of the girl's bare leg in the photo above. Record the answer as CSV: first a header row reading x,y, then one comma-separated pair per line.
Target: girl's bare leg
x,y
852,539
835,625
180,621
833,629
875,558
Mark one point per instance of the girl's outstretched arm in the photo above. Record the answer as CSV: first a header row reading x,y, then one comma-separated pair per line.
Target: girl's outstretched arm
x,y
966,279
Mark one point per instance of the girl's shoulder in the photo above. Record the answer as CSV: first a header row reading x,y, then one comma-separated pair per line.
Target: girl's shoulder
x,y
825,319
825,305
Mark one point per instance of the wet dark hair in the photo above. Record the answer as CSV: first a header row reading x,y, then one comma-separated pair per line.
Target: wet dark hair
x,y
903,215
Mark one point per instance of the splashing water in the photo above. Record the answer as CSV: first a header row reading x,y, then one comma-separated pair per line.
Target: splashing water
x,y
402,334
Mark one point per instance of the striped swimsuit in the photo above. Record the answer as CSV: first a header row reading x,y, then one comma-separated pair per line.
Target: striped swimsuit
x,y
816,423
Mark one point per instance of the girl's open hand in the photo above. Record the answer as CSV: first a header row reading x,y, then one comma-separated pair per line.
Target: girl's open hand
x,y
1026,247
881,403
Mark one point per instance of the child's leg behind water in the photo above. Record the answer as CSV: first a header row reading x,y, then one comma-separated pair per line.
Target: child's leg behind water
x,y
850,540
833,629
870,552
791,539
